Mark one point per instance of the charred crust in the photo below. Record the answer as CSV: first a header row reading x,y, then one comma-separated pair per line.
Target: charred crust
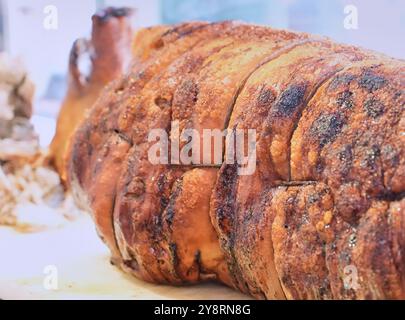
x,y
345,99
371,81
266,97
391,196
371,156
345,156
327,127
341,80
226,211
374,108
171,207
185,29
197,261
173,255
290,100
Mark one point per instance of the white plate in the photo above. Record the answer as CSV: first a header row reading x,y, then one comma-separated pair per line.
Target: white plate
x,y
83,271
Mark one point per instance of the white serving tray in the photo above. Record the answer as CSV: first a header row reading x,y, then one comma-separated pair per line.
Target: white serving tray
x,y
83,269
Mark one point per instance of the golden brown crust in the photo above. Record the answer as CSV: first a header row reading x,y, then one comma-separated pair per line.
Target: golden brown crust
x,y
271,102
350,138
202,101
121,101
189,236
299,248
289,230
159,180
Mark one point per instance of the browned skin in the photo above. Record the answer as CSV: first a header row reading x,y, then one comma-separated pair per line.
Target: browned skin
x,y
197,90
148,202
110,53
283,231
117,119
271,103
355,143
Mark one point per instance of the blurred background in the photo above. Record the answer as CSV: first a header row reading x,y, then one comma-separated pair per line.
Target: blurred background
x,y
380,26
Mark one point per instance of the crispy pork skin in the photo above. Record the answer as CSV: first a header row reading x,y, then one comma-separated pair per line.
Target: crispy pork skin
x,y
321,214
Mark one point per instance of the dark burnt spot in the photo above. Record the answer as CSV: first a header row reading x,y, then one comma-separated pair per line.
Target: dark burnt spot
x,y
327,127
164,201
250,216
170,213
162,183
184,29
189,31
162,102
371,81
345,156
171,207
320,166
324,291
197,261
345,99
370,158
352,240
341,80
391,196
290,99
266,97
173,254
286,280
227,181
374,108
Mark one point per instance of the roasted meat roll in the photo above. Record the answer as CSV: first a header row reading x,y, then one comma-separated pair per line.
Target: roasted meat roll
x,y
315,211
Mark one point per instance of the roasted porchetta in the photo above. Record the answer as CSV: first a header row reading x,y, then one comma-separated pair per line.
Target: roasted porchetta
x,y
325,201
